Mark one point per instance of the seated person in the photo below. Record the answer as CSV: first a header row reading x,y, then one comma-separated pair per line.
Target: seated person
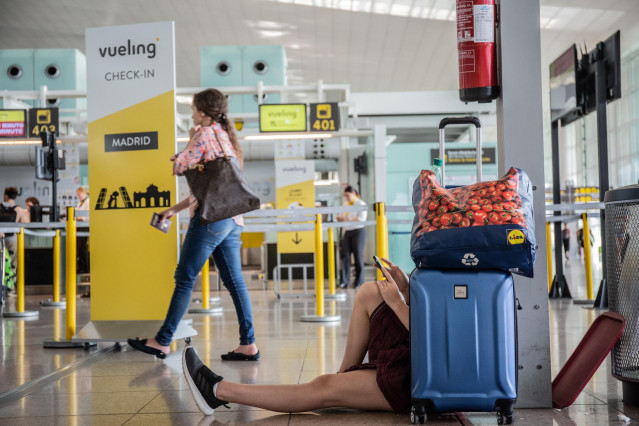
x,y
379,325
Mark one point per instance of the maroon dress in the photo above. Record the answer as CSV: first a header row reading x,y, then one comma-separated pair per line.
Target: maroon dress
x,y
389,354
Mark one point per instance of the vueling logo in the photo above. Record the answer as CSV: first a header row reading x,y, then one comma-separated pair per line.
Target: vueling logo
x,y
129,49
516,237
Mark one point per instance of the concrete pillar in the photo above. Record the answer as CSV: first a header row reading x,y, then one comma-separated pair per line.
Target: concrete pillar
x,y
520,144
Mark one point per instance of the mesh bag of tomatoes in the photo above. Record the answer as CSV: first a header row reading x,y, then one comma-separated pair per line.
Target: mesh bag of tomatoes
x,y
487,225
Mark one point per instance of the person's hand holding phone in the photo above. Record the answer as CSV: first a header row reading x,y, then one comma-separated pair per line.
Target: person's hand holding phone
x,y
388,288
398,275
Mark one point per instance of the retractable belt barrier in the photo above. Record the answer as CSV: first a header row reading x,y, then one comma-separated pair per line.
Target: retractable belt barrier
x,y
558,286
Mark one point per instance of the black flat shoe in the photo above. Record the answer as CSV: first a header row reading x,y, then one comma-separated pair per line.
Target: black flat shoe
x,y
236,356
201,381
141,346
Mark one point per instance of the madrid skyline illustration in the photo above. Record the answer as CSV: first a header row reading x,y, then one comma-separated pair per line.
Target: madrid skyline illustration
x,y
120,199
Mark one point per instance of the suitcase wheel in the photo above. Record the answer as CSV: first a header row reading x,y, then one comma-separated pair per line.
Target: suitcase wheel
x,y
417,419
504,419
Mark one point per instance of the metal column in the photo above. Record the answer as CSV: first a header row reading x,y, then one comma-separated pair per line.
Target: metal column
x,y
520,143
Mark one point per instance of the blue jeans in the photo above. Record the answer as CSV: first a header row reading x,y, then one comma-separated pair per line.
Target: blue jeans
x,y
221,238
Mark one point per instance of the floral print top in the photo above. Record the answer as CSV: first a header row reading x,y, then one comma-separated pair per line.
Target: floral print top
x,y
204,144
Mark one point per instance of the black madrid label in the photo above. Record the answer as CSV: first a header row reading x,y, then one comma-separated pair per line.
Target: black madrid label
x,y
131,141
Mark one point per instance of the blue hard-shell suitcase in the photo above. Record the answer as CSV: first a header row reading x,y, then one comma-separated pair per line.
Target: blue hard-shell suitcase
x,y
463,338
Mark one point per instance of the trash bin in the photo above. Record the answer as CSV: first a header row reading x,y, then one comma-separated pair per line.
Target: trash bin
x,y
622,276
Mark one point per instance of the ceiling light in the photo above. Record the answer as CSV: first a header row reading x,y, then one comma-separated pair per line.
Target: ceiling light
x,y
272,34
280,136
183,139
23,142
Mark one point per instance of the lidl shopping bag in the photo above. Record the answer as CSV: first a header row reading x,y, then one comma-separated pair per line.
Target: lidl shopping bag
x,y
487,225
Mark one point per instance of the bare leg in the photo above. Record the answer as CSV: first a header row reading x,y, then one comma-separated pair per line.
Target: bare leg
x,y
367,299
246,349
356,389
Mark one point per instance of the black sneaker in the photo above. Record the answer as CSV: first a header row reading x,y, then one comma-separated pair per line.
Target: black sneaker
x,y
201,381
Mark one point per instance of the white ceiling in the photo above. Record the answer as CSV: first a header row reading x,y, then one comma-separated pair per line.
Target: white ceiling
x,y
375,45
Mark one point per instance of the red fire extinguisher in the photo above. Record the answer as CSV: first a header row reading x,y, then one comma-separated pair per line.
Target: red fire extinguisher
x,y
476,50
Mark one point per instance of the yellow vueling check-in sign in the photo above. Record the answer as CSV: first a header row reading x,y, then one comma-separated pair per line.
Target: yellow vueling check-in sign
x,y
283,118
294,180
131,114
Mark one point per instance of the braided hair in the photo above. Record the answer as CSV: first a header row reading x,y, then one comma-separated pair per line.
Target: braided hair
x,y
213,103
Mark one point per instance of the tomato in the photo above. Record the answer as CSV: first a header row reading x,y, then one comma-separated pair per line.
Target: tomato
x,y
437,192
487,208
446,219
457,217
482,192
473,201
500,186
452,206
484,202
478,223
433,205
442,209
505,216
508,195
469,214
479,216
490,189
498,207
493,217
511,184
475,207
436,221
445,227
516,220
465,223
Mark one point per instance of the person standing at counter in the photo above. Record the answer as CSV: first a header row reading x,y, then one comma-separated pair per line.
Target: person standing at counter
x,y
353,240
211,136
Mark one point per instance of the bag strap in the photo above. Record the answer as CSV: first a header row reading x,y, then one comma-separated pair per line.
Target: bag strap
x,y
226,157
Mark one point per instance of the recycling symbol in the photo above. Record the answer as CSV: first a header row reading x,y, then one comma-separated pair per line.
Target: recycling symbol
x,y
470,259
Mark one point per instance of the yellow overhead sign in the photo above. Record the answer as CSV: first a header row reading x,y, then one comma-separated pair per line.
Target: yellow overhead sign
x,y
283,118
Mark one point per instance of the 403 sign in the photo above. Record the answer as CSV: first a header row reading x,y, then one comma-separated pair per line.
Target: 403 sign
x,y
43,120
324,117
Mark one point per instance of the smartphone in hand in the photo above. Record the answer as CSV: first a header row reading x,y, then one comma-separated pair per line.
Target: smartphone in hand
x,y
381,267
162,225
386,273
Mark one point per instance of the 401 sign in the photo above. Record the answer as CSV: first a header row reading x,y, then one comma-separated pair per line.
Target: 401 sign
x,y
324,117
43,120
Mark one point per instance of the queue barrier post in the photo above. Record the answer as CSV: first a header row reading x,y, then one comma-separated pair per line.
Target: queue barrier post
x,y
588,256
71,278
206,284
319,279
549,255
330,252
70,282
20,312
55,302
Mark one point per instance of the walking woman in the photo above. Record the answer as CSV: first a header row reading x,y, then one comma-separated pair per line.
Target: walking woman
x,y
211,133
353,240
379,325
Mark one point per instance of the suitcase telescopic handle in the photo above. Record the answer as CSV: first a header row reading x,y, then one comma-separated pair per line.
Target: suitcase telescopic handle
x,y
442,138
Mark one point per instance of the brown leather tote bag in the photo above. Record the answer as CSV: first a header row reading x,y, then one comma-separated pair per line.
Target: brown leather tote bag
x,y
220,188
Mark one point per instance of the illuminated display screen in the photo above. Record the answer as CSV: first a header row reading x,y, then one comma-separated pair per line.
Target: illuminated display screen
x,y
12,123
283,118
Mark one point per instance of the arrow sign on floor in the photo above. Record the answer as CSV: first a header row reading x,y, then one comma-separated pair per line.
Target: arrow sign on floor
x,y
297,239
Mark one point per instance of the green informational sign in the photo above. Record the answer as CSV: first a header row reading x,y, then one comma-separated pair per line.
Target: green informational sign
x,y
283,118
